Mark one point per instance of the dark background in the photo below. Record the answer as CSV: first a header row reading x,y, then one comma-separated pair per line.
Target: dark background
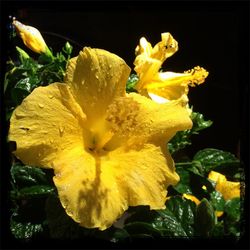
x,y
214,35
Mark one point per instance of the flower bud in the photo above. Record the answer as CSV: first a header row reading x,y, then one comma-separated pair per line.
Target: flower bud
x,y
31,37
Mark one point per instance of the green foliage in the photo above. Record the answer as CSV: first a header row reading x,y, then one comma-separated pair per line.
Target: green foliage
x,y
217,201
183,138
24,175
26,74
24,230
132,80
205,219
219,161
37,211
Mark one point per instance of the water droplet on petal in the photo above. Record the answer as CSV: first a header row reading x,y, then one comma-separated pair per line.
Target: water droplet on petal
x,y
61,130
39,154
58,174
51,96
96,76
110,66
83,81
41,105
19,115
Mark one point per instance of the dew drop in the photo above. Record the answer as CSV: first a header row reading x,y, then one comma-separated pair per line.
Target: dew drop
x,y
19,115
41,105
110,66
61,130
51,96
83,82
58,175
96,76
39,154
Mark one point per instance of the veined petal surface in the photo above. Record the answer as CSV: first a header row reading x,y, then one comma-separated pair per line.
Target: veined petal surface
x,y
95,190
47,122
136,120
97,77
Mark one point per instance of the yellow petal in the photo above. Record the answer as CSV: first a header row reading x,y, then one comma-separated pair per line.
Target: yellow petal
x,y
192,198
172,86
219,213
136,120
99,76
68,78
215,176
95,190
228,189
31,37
47,122
149,60
164,85
143,175
88,190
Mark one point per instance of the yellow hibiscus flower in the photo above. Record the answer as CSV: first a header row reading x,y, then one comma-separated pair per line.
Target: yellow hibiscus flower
x,y
31,37
107,148
163,86
228,189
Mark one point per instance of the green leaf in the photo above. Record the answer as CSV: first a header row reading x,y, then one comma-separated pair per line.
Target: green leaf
x,y
217,160
177,219
234,218
205,218
184,185
217,201
199,123
132,80
24,175
22,54
25,84
24,230
191,180
35,191
143,228
18,94
120,235
233,209
218,230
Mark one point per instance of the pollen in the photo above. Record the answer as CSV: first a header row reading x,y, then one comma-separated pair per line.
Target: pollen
x,y
122,115
198,75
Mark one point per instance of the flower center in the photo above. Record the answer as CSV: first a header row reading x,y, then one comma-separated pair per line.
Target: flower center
x,y
117,127
122,114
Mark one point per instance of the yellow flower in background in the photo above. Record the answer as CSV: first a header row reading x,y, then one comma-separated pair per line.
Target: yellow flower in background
x,y
163,86
31,37
228,189
192,198
107,148
197,202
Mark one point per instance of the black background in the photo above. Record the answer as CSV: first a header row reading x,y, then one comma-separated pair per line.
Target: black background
x,y
214,35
